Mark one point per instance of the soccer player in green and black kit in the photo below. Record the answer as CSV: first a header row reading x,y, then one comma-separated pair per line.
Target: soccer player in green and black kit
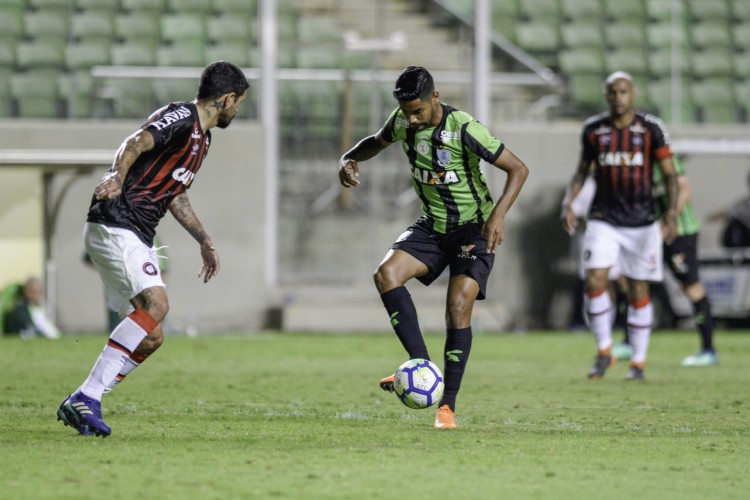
x,y
682,257
460,226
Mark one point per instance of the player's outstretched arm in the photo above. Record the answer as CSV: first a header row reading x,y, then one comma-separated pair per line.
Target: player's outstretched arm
x,y
183,212
362,151
110,186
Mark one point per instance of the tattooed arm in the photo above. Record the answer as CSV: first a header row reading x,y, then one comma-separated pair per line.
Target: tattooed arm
x,y
110,186
183,212
362,151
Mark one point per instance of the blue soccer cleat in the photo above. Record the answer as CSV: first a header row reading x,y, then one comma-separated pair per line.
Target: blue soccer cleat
x,y
84,414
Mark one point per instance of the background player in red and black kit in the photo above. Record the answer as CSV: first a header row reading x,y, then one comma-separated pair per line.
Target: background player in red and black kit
x,y
150,174
619,149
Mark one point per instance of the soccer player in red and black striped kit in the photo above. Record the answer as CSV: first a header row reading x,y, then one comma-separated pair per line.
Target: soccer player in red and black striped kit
x,y
151,173
619,148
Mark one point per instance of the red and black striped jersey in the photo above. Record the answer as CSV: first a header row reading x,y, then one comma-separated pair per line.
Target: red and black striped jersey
x,y
157,176
624,165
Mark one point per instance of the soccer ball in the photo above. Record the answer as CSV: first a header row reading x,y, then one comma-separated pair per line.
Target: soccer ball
x,y
418,383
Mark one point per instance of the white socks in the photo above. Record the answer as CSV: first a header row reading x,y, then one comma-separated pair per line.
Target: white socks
x,y
599,312
116,353
640,322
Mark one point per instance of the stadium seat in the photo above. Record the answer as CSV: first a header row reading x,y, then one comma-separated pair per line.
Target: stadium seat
x,y
244,7
231,27
98,5
660,95
46,24
660,62
238,53
321,55
76,91
84,55
660,10
125,98
660,35
625,10
176,89
714,98
742,92
92,24
179,55
587,90
582,34
49,4
138,26
8,54
5,94
581,10
15,4
11,24
631,60
710,34
317,29
133,54
536,9
41,53
625,34
741,10
577,61
180,28
504,18
35,94
142,6
702,10
192,6
538,36
711,62
741,36
742,67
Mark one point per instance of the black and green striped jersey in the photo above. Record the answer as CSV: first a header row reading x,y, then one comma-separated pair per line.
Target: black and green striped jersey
x,y
444,163
687,221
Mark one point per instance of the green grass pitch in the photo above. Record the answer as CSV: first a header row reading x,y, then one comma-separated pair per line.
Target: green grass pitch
x,y
301,416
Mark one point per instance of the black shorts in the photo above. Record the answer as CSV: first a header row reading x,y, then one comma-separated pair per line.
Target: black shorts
x,y
463,251
682,257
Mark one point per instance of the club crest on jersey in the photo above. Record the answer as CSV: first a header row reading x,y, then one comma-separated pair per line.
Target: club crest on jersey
x,y
621,159
150,269
183,175
423,148
443,157
433,178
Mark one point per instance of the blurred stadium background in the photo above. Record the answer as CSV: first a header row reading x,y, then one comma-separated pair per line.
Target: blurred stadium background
x,y
79,75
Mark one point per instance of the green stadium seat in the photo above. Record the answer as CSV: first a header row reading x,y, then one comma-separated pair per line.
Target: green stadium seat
x,y
231,27
538,36
587,90
5,94
504,18
176,89
710,34
180,28
577,61
192,6
133,54
625,10
142,6
660,96
49,4
41,53
179,55
715,100
742,67
701,10
84,55
659,35
581,10
631,60
76,90
11,23
124,98
317,29
35,94
238,53
711,62
138,26
319,56
243,7
660,62
742,92
536,9
92,24
741,37
46,24
740,10
659,10
582,34
8,54
15,4
98,5
625,34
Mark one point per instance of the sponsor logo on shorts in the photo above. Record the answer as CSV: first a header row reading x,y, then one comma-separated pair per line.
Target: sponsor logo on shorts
x,y
466,252
150,269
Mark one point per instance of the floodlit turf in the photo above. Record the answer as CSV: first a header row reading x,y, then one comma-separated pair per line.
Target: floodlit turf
x,y
301,416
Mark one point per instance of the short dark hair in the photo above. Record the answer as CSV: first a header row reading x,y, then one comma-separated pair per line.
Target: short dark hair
x,y
221,78
414,82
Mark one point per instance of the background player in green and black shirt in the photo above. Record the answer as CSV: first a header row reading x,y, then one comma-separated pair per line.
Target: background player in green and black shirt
x,y
460,227
682,257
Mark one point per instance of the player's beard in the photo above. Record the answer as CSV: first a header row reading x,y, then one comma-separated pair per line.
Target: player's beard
x,y
224,120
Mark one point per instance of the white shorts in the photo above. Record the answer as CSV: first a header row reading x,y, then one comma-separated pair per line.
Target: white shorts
x,y
637,250
126,265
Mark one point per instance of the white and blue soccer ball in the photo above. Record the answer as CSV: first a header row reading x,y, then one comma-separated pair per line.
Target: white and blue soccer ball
x,y
418,383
